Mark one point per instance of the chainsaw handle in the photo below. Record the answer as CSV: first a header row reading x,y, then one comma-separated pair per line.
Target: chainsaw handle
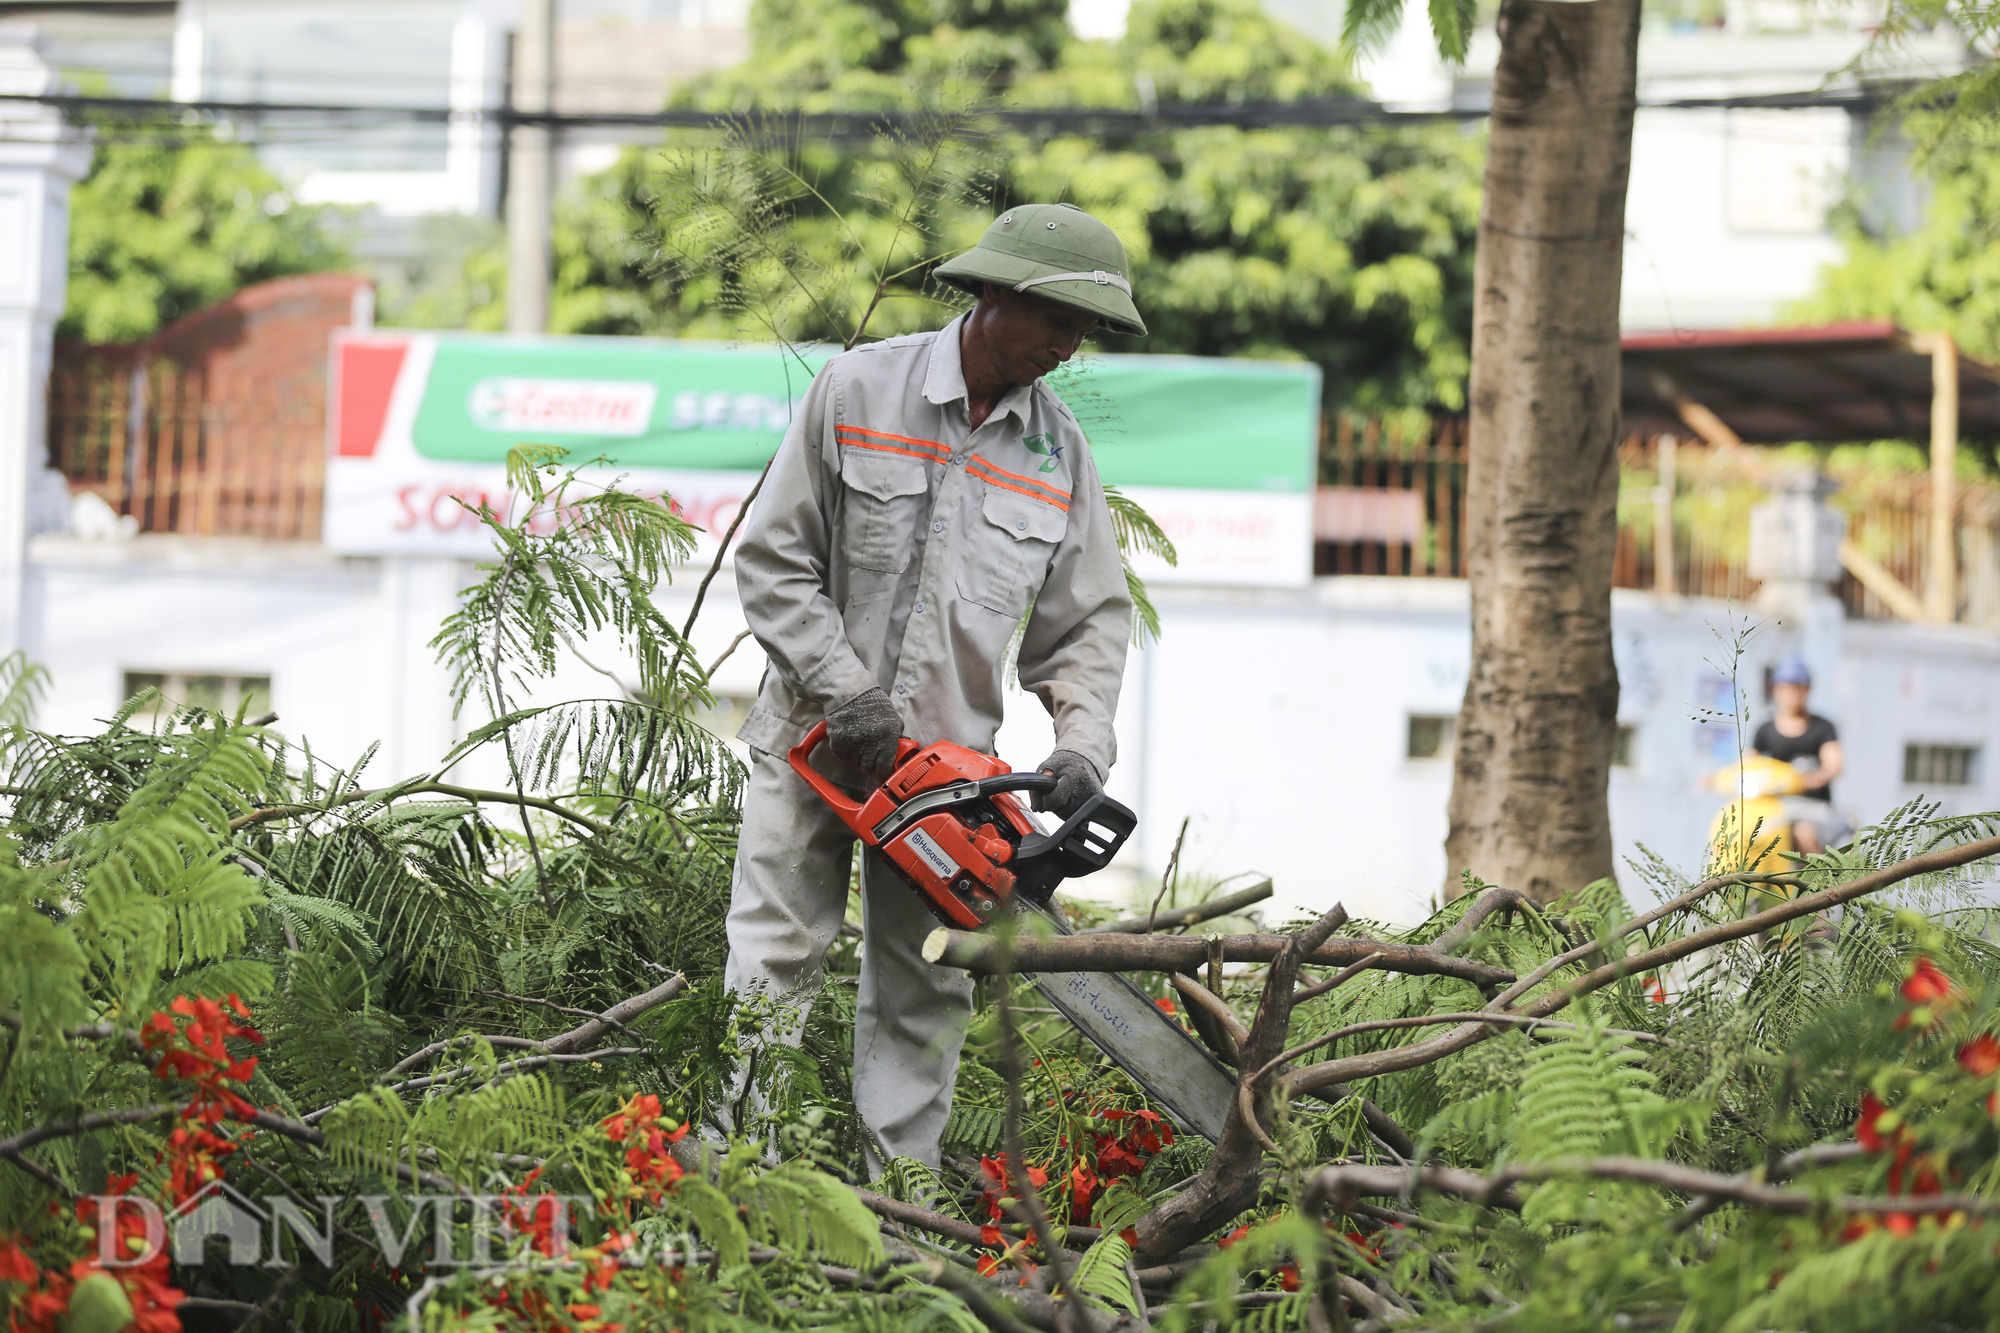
x,y
1017,782
800,758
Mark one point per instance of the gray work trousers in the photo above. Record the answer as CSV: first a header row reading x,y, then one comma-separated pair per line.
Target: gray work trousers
x,y
786,904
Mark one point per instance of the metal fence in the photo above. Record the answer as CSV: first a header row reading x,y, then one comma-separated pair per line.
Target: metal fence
x,y
1392,501
160,443
155,442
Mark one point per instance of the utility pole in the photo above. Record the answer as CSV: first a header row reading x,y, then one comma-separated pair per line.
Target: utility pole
x,y
1941,588
529,172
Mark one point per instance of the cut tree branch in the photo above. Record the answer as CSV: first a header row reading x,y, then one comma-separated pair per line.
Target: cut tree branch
x,y
1104,952
1227,905
473,794
617,1016
1372,1063
563,1044
1331,1185
417,1057
1493,900
937,1224
505,1067
1229,1182
1806,904
306,1134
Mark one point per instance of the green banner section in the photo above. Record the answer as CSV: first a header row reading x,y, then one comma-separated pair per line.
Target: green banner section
x,y
1192,422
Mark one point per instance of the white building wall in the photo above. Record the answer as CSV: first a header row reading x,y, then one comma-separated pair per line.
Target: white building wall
x,y
1276,723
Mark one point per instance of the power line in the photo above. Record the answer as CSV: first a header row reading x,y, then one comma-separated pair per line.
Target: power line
x,y
1096,122
438,81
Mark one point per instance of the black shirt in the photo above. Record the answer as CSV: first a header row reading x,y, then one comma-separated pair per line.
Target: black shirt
x,y
1800,751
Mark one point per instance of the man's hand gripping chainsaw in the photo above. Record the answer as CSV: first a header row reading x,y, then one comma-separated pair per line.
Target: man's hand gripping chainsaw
x,y
949,822
947,819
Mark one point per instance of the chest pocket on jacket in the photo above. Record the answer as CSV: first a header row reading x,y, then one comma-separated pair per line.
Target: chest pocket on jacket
x,y
887,496
1007,556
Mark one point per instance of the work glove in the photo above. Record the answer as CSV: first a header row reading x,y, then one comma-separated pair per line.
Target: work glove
x,y
1076,782
864,731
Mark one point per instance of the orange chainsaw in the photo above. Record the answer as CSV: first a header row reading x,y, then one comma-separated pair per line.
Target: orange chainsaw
x,y
949,821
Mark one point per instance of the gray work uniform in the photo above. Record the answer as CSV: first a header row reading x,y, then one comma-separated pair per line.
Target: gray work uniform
x,y
894,546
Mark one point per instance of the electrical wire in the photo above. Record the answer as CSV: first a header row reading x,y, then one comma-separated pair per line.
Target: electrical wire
x,y
1097,122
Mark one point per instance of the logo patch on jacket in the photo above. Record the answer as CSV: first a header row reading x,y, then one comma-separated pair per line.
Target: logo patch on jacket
x,y
1045,444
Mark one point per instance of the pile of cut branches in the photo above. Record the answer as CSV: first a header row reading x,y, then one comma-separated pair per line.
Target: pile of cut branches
x,y
284,1048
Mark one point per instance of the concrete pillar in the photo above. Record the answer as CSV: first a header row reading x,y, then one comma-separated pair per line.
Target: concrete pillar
x,y
529,178
190,53
40,158
419,592
1795,540
478,85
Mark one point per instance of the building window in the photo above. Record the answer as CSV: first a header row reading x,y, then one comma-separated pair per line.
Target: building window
x,y
1783,169
224,694
1622,743
1430,735
1939,765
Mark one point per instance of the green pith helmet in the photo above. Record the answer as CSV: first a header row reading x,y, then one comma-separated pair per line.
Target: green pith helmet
x,y
1056,251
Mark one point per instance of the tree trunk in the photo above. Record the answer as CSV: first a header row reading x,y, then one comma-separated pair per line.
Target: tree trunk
x,y
1528,797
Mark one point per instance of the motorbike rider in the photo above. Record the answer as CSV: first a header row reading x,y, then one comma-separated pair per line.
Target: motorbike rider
x,y
1811,744
931,492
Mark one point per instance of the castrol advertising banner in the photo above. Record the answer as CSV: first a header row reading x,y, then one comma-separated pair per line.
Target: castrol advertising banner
x,y
1220,452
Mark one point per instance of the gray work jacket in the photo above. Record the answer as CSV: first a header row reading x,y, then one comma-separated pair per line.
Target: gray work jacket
x,y
892,545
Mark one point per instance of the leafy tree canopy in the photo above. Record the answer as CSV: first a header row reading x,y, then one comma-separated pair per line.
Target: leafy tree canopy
x,y
171,219
1352,248
1943,276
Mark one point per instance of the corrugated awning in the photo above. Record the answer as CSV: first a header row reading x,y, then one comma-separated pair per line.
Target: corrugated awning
x,y
1833,384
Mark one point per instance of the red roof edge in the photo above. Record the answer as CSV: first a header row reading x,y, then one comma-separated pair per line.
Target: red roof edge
x,y
1856,330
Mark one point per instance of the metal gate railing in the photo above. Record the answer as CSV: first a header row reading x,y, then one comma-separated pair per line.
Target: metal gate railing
x,y
151,439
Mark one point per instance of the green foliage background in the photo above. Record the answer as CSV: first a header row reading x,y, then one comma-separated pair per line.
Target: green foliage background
x,y
1352,248
172,218
1942,276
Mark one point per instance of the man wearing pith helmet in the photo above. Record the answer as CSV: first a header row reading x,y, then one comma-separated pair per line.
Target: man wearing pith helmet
x,y
931,490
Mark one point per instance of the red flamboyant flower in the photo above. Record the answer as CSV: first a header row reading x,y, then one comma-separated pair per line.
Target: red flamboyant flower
x,y
650,1168
1901,1224
15,1265
1865,1131
1981,1056
197,1052
1000,1185
1288,1277
1926,985
45,1307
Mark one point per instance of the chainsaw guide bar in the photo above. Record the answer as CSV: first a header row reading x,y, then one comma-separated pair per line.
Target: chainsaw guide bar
x,y
1176,1071
948,822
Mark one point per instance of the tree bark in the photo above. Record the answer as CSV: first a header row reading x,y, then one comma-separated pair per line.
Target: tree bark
x,y
1528,800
